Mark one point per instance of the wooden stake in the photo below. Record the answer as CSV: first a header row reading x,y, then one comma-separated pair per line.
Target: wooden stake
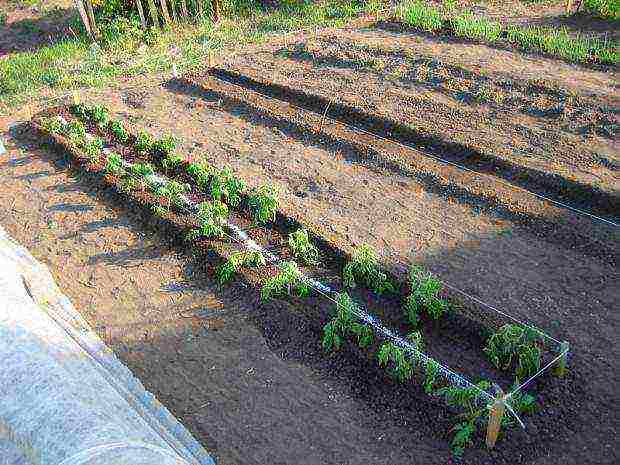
x,y
216,10
560,368
495,418
199,9
183,9
141,13
164,11
153,12
91,17
173,9
82,11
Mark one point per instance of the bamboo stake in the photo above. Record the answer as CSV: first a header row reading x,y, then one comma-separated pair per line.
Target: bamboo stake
x,y
164,11
91,17
560,369
153,12
495,418
141,13
82,11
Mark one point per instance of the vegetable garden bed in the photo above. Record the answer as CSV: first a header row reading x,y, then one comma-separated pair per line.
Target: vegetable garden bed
x,y
213,209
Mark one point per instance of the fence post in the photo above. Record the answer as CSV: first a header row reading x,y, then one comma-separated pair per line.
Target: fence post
x,y
216,10
82,11
173,11
164,11
91,17
560,368
141,13
184,9
495,417
153,12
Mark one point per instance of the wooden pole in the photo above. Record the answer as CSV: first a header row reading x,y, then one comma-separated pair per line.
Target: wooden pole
x,y
153,12
91,17
560,368
495,418
199,9
164,11
183,9
216,10
141,13
173,10
82,11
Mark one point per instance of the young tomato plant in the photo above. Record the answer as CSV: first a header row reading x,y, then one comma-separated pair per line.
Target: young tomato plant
x,y
201,173
163,147
288,281
346,321
53,125
364,268
263,203
514,343
430,376
302,248
93,149
114,165
396,361
99,115
211,218
75,131
172,192
144,142
236,261
172,161
226,186
118,130
424,295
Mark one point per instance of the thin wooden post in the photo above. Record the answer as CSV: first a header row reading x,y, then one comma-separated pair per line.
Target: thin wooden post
x,y
495,417
183,9
82,11
216,10
141,13
173,10
153,12
560,368
199,9
91,17
164,11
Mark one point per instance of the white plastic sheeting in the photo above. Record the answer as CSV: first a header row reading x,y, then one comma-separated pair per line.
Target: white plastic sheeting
x,y
65,399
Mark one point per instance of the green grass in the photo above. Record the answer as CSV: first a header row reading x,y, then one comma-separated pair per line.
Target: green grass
x,y
556,42
421,16
606,9
125,51
479,28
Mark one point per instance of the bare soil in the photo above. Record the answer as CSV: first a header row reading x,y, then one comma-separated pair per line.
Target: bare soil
x,y
250,379
28,28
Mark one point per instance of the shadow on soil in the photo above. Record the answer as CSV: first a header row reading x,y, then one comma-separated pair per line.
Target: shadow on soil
x,y
469,87
556,231
30,34
580,23
555,186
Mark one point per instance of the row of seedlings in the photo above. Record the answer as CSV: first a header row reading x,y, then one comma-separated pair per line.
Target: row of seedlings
x,y
226,189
